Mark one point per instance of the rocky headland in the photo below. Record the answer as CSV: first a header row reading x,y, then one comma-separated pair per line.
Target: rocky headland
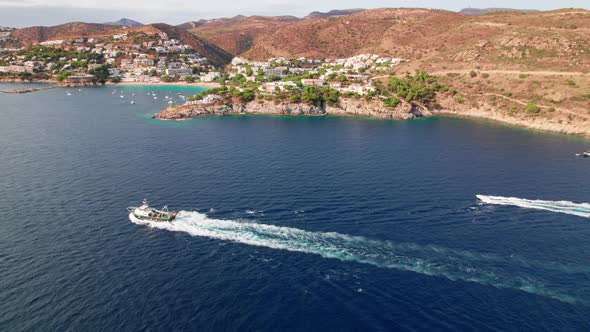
x,y
346,107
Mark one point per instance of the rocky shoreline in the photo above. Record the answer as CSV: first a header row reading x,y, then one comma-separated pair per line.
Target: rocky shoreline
x,y
374,109
346,107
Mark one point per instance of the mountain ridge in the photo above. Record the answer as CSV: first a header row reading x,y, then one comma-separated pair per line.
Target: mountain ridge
x,y
125,22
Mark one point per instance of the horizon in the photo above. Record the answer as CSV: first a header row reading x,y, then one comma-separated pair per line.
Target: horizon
x,y
25,13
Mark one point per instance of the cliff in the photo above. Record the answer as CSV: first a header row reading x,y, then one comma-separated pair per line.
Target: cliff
x,y
558,121
346,107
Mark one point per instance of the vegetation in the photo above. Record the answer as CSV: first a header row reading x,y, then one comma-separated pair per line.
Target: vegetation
x,y
101,73
62,76
532,108
420,88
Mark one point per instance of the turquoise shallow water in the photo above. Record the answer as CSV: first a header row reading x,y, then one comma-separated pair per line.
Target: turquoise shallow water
x,y
286,223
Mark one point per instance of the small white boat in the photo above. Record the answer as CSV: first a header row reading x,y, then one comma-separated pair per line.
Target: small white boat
x,y
132,102
146,213
585,154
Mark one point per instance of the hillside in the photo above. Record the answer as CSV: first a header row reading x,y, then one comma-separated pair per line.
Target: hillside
x,y
237,35
35,35
212,52
483,11
555,40
38,34
191,24
335,12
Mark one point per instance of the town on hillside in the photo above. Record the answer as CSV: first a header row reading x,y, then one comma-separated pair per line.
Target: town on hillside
x,y
320,82
134,57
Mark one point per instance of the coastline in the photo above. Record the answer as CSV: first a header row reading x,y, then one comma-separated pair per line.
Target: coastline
x,y
369,111
374,111
512,122
206,85
179,84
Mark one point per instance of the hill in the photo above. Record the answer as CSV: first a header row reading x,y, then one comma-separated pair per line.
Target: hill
x,y
335,12
191,24
238,34
125,22
212,52
483,11
433,39
36,35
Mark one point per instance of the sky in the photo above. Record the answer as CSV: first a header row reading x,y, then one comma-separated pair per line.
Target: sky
x,y
21,13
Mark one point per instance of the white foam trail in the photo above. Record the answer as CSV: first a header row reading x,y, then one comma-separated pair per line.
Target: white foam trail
x,y
429,260
576,209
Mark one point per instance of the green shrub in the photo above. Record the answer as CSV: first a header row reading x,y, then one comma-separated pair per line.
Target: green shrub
x,y
473,74
392,101
532,108
460,100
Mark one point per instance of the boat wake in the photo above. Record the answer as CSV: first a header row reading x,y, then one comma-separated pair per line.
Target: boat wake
x,y
487,269
576,209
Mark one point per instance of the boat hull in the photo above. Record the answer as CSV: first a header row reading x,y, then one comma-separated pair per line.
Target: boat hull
x,y
162,217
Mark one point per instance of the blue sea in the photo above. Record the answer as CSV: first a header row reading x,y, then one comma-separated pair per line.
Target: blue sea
x,y
285,223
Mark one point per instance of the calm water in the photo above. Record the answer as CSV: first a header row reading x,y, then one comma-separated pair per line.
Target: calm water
x,y
326,224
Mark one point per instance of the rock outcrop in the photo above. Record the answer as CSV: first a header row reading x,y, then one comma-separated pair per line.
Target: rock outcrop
x,y
346,107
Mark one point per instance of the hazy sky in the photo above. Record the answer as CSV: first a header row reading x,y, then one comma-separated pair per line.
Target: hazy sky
x,y
21,13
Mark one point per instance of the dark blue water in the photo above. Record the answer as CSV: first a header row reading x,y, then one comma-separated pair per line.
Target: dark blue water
x,y
326,224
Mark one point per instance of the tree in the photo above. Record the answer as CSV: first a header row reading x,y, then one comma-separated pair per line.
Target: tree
x,y
101,74
311,96
166,78
238,79
331,96
392,101
62,76
249,71
189,79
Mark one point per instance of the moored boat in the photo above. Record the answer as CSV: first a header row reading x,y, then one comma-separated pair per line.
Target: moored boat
x,y
146,213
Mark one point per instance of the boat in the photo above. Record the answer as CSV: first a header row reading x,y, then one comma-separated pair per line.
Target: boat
x,y
585,154
146,213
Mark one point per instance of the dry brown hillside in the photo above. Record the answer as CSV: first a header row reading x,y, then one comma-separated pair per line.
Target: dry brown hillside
x,y
236,35
435,39
214,53
35,35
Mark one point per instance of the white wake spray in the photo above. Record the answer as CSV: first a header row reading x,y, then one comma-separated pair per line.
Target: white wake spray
x,y
487,269
576,209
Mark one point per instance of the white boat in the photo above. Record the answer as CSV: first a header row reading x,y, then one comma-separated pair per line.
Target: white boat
x,y
146,213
